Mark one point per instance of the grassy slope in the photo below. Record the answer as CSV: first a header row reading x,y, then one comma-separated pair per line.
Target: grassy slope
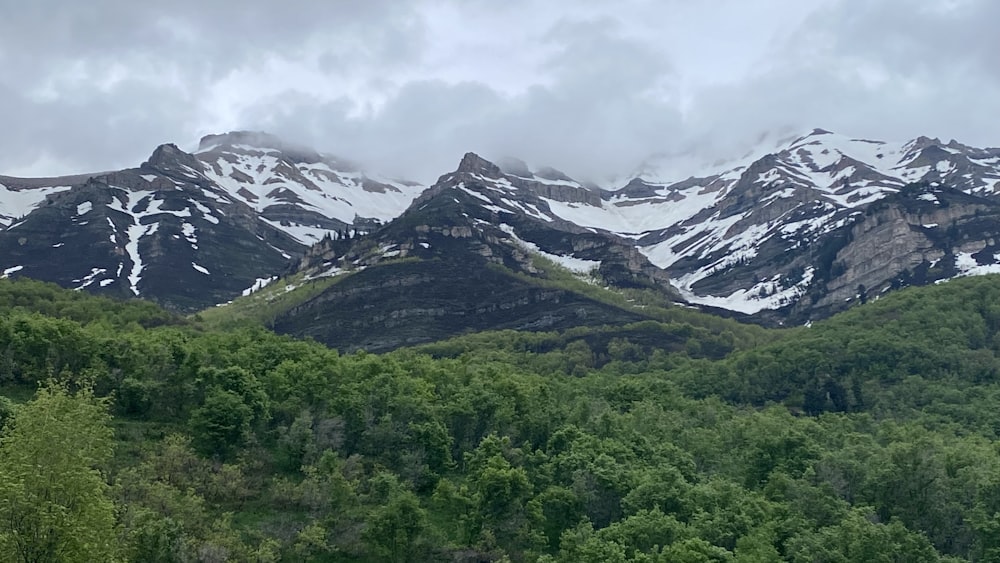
x,y
265,306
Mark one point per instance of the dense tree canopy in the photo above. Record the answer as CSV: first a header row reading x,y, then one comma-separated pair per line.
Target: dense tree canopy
x,y
867,437
53,494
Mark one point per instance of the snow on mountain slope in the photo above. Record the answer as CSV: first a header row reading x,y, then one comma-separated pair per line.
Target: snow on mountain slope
x,y
15,203
142,209
783,225
749,238
302,192
479,213
846,172
701,227
633,216
189,230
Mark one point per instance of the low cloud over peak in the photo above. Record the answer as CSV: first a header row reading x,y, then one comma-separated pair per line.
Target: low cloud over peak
x,y
591,88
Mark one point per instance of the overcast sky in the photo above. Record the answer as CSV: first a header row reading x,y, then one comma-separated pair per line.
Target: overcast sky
x,y
408,86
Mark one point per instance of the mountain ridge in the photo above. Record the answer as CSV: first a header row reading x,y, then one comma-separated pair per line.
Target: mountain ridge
x,y
786,235
204,226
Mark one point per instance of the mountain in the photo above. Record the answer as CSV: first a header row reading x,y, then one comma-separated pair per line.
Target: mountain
x,y
788,234
189,230
775,234
297,190
465,257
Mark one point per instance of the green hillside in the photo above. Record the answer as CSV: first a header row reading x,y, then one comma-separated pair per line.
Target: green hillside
x,y
403,302
131,434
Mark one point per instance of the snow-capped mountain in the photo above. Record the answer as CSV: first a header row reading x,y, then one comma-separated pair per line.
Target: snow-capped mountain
x,y
463,257
788,232
297,190
748,238
508,215
188,230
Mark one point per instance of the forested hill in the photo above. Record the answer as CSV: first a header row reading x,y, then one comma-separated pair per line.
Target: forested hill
x,y
132,434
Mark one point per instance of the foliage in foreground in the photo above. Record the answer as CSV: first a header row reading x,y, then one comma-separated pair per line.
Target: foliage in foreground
x,y
870,437
53,496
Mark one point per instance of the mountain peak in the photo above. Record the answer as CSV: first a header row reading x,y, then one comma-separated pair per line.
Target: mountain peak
x,y
167,156
472,163
514,166
807,138
922,142
258,139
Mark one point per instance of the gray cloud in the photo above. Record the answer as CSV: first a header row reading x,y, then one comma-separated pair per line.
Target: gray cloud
x,y
98,85
408,87
887,69
603,105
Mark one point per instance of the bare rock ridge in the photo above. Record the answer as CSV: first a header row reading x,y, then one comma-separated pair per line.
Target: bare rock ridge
x,y
172,161
474,164
258,140
514,167
546,182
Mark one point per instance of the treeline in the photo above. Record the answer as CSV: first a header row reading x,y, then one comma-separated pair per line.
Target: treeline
x,y
869,437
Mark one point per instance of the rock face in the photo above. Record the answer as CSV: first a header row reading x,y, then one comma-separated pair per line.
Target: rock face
x,y
501,219
411,302
920,235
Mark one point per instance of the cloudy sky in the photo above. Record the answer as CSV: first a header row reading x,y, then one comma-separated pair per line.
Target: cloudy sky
x,y
591,87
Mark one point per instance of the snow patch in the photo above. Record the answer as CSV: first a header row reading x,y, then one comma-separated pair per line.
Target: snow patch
x,y
188,230
134,233
967,265
6,273
474,194
571,263
134,201
206,213
259,284
305,234
15,204
764,295
89,278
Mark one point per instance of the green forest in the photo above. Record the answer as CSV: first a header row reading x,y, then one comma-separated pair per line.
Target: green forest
x,y
132,434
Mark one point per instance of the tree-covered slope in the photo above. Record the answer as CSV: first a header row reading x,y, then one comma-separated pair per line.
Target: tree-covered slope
x,y
868,437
